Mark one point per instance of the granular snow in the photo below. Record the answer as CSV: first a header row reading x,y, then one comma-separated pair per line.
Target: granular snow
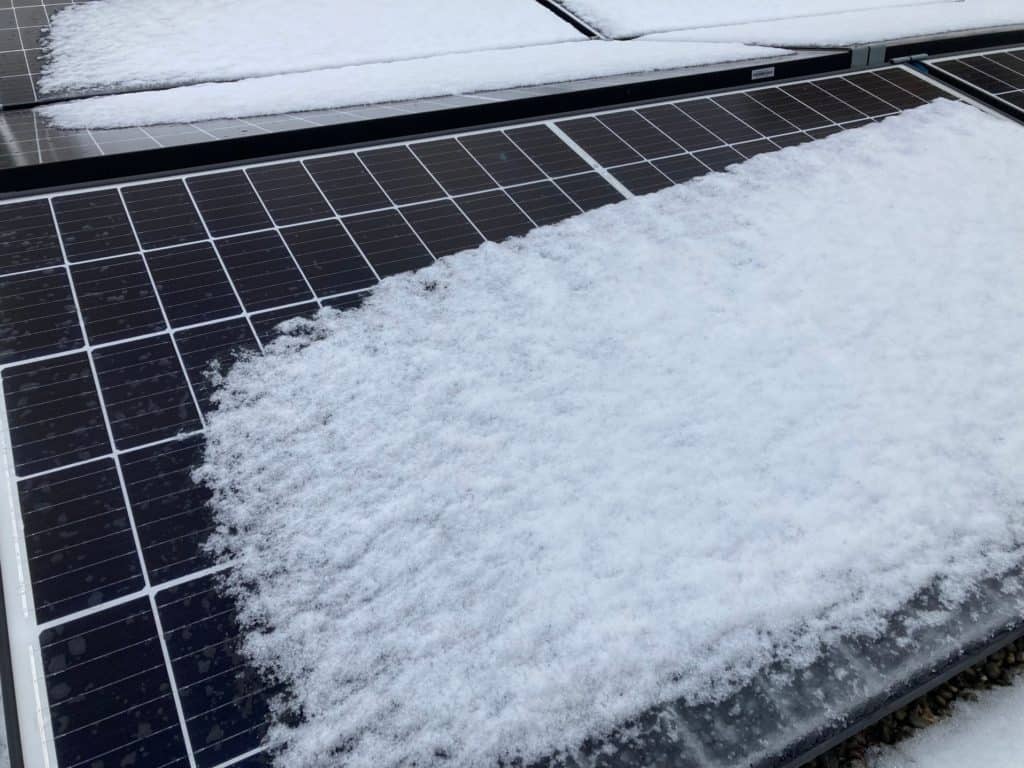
x,y
537,488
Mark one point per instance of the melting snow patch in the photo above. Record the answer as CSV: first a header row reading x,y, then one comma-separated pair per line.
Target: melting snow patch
x,y
539,487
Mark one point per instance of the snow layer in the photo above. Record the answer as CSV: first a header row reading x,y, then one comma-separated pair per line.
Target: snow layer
x,y
538,487
132,43
986,733
638,17
865,26
377,83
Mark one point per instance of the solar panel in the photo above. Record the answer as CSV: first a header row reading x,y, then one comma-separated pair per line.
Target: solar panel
x,y
22,26
29,139
999,74
114,303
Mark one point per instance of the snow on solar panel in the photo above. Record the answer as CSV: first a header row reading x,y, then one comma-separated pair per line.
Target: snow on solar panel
x,y
642,17
997,73
116,301
112,45
542,486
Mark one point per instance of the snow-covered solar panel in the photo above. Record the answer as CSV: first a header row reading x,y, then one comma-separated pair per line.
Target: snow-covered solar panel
x,y
999,74
115,301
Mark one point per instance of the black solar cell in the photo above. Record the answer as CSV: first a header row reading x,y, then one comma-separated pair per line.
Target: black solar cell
x,y
799,115
683,129
168,508
347,184
718,122
502,159
228,203
78,537
641,178
224,702
266,323
289,193
751,149
163,214
117,299
452,166
329,258
37,315
112,658
442,227
192,284
401,175
682,168
547,151
640,134
28,237
589,191
53,414
262,270
856,97
755,114
720,158
387,242
210,350
145,392
822,102
999,74
495,215
544,202
93,225
599,142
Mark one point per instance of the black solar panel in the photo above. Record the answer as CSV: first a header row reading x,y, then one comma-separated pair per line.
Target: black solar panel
x,y
115,303
999,74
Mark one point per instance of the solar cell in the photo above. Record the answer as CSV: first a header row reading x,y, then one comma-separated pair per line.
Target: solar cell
x,y
453,167
119,306
28,237
347,184
145,392
641,178
266,324
37,315
262,270
289,193
328,257
78,539
999,74
502,159
442,227
544,202
117,299
495,215
192,284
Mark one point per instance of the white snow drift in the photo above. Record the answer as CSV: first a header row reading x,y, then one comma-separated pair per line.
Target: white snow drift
x,y
131,43
864,26
539,487
457,73
638,17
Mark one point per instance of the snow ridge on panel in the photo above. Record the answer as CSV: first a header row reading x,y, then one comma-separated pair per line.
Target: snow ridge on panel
x,y
138,43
